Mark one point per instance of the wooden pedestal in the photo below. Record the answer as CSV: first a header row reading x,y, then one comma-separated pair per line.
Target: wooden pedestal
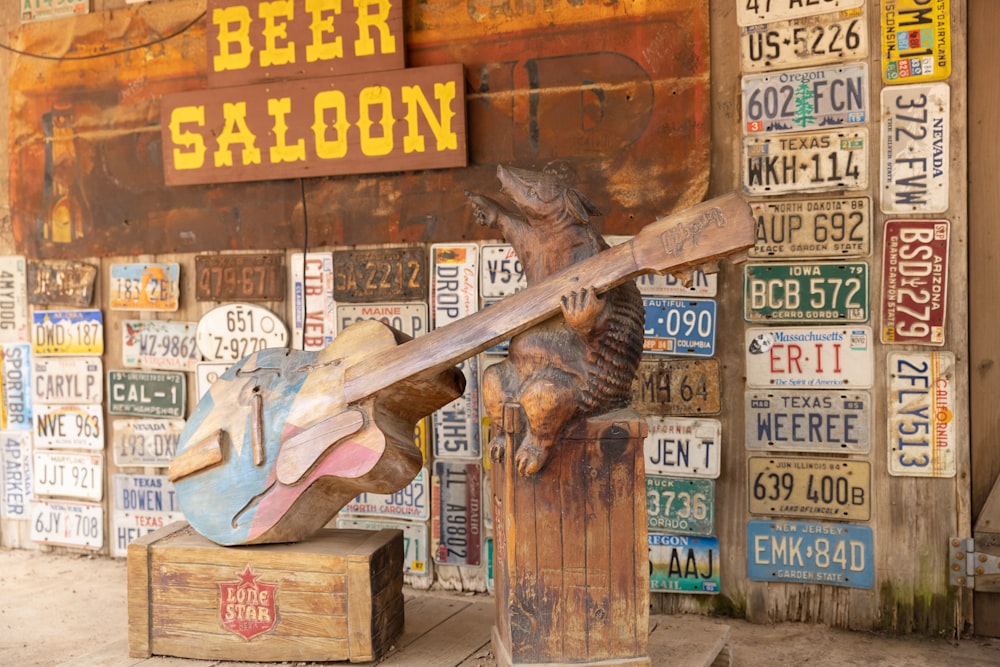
x,y
337,596
572,559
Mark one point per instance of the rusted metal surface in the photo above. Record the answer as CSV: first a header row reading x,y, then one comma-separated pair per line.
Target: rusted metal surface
x,y
613,94
375,275
257,277
64,283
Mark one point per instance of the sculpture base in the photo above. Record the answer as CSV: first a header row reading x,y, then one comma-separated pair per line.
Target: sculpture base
x,y
572,558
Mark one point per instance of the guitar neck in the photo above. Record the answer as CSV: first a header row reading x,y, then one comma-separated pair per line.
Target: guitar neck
x,y
675,243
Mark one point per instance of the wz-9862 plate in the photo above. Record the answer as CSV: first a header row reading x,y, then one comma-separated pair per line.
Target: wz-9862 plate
x,y
807,162
803,486
808,421
813,292
812,40
805,99
807,228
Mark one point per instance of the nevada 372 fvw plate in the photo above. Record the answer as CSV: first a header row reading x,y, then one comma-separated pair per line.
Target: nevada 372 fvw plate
x,y
915,160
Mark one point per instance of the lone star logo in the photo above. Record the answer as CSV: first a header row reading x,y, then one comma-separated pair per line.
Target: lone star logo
x,y
247,606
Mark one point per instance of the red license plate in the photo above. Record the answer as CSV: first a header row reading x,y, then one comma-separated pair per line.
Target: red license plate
x,y
915,281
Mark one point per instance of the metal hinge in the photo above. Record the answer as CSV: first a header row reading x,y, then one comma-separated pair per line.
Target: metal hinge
x,y
965,563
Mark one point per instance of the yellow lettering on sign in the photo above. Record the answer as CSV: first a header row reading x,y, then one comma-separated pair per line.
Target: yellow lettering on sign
x,y
193,156
322,25
234,29
413,97
272,54
330,100
364,45
374,96
236,131
281,151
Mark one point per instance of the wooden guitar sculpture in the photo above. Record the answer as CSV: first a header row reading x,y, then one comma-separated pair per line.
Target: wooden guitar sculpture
x,y
284,439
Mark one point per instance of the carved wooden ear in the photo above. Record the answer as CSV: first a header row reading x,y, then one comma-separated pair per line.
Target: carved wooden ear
x,y
580,206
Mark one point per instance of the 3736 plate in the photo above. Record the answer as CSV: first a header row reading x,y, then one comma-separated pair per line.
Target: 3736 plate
x,y
805,292
810,552
915,281
684,564
807,162
809,487
680,506
805,99
915,159
812,40
821,227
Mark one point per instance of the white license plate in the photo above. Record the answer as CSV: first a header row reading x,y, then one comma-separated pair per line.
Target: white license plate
x,y
232,331
410,502
821,227
916,122
808,162
208,372
314,320
501,272
812,40
456,425
67,332
454,282
67,524
750,12
805,99
68,475
457,518
15,454
69,380
15,387
69,427
144,493
809,487
13,300
145,442
683,447
145,286
809,357
808,421
922,414
410,318
416,547
128,526
159,344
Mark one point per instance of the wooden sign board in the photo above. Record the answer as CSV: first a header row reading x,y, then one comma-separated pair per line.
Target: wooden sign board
x,y
397,120
64,283
256,277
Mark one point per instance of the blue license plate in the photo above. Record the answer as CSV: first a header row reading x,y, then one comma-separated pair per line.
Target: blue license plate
x,y
683,564
680,327
810,552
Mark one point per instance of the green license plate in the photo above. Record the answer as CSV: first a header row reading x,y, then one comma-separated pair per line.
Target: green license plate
x,y
682,506
813,292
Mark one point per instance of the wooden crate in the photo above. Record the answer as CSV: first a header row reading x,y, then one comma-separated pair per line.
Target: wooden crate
x,y
337,596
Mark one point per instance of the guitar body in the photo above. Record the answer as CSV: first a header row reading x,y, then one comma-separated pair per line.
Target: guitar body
x,y
274,449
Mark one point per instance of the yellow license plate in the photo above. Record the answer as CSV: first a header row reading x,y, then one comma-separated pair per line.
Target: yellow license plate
x,y
916,40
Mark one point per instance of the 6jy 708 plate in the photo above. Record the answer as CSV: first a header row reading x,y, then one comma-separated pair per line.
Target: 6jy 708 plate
x,y
915,159
812,40
807,162
809,487
805,99
808,421
822,227
915,281
806,292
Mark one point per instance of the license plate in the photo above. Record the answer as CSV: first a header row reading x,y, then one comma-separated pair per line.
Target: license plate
x,y
145,442
146,393
810,552
684,564
677,387
750,12
454,282
915,153
809,487
916,40
128,526
70,380
809,357
915,281
232,331
145,286
808,421
208,372
804,293
416,547
67,524
13,300
144,493
456,425
69,427
315,316
380,274
159,344
812,40
457,517
66,474
808,162
15,387
67,332
682,447
698,284
410,318
501,272
679,327
68,283
410,502
922,414
257,277
805,99
680,506
828,227
15,454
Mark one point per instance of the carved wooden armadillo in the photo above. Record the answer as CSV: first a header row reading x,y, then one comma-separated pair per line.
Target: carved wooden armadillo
x,y
580,363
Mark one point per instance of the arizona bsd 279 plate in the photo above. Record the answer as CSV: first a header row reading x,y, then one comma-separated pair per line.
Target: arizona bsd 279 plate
x,y
809,357
805,292
915,281
684,564
810,552
811,40
805,99
822,227
807,162
915,156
